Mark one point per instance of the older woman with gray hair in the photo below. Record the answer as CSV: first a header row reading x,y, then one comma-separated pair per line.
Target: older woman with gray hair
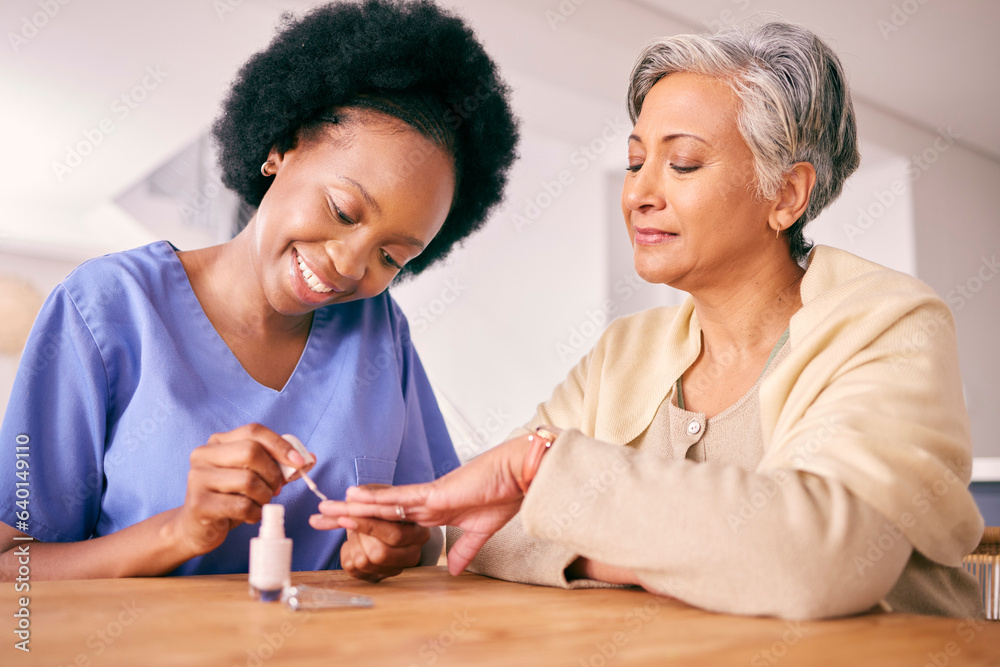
x,y
792,440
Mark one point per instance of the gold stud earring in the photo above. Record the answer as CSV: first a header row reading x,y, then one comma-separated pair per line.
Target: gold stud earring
x,y
265,169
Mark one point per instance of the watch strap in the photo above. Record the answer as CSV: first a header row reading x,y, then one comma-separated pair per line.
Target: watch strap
x,y
541,440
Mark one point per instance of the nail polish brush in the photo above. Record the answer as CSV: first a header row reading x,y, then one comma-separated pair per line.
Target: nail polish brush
x,y
288,471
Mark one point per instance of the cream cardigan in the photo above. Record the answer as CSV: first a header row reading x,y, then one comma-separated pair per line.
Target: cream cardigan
x,y
868,399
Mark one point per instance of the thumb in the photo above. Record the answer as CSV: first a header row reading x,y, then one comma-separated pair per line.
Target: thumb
x,y
464,550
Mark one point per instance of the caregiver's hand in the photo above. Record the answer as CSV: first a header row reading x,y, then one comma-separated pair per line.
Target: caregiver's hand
x,y
231,478
480,497
376,549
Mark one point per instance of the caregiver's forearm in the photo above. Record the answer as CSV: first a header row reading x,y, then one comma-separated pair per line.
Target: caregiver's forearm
x,y
148,548
715,536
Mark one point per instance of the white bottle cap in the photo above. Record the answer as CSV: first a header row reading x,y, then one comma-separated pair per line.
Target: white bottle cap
x,y
272,522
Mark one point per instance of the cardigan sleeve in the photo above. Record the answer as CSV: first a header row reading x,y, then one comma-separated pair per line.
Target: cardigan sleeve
x,y
782,543
514,555
886,419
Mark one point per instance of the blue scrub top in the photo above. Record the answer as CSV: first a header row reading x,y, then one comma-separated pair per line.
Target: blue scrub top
x,y
123,376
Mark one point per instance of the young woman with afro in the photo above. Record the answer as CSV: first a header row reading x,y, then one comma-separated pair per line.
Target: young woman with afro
x,y
157,383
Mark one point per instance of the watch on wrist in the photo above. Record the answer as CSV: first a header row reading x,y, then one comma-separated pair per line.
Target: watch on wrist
x,y
541,440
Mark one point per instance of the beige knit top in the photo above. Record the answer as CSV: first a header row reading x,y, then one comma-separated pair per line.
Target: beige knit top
x,y
687,505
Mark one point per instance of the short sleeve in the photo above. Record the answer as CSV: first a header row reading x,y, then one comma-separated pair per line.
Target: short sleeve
x,y
57,416
426,451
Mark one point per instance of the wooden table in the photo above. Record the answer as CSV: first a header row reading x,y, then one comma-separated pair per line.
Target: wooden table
x,y
426,617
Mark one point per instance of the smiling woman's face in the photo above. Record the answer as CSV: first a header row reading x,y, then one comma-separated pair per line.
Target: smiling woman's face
x,y
348,207
688,198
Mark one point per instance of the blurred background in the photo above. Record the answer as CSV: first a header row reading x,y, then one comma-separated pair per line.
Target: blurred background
x,y
106,106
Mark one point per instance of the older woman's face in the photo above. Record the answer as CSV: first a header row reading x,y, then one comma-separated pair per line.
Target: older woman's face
x,y
346,211
688,200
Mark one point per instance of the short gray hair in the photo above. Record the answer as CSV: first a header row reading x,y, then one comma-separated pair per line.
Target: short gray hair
x,y
796,106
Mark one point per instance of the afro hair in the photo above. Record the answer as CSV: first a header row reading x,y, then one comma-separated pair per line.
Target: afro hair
x,y
411,60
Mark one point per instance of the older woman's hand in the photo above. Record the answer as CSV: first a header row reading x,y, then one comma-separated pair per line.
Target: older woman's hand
x,y
480,497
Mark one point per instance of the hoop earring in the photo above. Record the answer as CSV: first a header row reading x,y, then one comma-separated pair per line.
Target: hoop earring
x,y
777,233
265,168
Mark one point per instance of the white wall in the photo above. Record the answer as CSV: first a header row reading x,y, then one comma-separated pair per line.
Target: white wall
x,y
957,217
873,217
519,286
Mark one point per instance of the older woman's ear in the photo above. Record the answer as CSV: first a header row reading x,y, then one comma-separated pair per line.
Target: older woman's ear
x,y
793,199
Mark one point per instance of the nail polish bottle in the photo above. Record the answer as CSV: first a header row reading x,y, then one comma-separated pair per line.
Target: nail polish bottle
x,y
270,556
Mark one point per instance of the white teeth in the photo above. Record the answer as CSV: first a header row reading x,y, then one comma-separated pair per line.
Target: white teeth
x,y
315,284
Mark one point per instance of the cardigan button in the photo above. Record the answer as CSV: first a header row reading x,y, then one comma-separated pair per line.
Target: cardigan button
x,y
694,427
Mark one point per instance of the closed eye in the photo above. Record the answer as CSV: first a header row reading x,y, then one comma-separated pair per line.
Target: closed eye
x,y
343,217
683,170
390,262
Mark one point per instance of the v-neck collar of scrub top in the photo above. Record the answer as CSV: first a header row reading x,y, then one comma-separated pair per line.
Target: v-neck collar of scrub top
x,y
180,279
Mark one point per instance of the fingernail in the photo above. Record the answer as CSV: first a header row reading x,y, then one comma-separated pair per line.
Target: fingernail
x,y
296,459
